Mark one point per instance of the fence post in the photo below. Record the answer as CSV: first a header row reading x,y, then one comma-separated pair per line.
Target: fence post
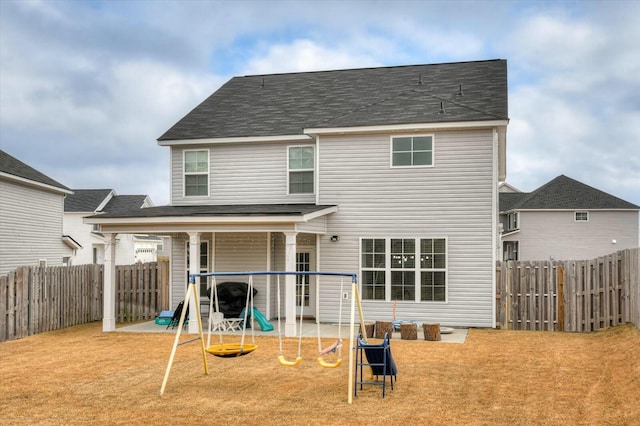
x,y
560,296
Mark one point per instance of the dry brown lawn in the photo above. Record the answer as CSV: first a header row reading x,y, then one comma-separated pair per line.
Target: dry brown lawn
x,y
81,375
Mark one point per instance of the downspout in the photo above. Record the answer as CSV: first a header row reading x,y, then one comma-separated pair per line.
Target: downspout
x,y
494,222
316,181
499,175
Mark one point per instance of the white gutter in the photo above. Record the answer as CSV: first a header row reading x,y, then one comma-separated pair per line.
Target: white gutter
x,y
35,183
407,127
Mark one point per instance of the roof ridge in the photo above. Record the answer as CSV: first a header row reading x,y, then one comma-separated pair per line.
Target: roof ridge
x,y
369,68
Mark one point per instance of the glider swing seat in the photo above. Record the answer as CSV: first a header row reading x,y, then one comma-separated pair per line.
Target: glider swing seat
x,y
216,320
378,358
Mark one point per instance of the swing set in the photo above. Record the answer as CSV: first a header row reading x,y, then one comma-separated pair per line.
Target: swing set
x,y
335,347
229,350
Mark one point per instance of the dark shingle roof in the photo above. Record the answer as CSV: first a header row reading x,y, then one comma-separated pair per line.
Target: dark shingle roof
x,y
217,210
12,166
509,199
85,200
566,193
89,200
285,104
124,203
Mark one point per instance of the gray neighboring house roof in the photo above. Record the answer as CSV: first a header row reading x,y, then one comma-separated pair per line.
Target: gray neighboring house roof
x,y
564,193
90,200
125,203
509,199
85,200
12,166
286,104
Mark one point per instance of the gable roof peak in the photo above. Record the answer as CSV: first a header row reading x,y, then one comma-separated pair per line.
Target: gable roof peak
x,y
12,167
563,192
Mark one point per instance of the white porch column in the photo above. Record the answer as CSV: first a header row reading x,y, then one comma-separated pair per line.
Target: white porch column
x,y
194,268
109,284
290,285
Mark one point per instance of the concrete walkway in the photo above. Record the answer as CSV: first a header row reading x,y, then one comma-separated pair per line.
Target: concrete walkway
x,y
309,329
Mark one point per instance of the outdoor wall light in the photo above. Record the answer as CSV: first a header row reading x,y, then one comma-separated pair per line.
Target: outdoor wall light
x,y
335,238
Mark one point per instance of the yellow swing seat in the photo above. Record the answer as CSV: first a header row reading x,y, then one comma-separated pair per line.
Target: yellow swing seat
x,y
326,364
283,361
227,350
332,348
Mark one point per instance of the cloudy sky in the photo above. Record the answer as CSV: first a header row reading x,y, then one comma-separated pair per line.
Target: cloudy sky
x,y
86,87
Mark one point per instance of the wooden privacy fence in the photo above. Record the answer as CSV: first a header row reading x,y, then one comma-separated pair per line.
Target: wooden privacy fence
x,y
142,291
36,299
575,295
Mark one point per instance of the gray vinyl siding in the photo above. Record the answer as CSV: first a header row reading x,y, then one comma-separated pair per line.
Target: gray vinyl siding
x,y
178,270
240,174
555,234
451,200
30,226
243,252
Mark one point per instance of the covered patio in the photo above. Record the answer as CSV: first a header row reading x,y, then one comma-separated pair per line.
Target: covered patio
x,y
198,221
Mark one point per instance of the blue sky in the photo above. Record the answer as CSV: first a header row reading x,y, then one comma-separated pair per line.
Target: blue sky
x,y
86,87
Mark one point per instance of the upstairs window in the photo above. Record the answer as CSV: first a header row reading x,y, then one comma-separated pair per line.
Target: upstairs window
x,y
582,217
411,151
196,173
301,169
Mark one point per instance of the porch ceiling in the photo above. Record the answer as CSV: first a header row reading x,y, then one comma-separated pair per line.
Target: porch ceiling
x,y
214,218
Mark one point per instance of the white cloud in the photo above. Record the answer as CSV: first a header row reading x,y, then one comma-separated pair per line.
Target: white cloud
x,y
306,55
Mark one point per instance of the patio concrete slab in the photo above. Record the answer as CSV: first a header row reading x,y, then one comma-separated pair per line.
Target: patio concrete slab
x,y
309,329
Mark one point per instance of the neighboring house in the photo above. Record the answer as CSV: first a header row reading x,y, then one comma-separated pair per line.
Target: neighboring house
x,y
565,220
86,202
31,209
391,173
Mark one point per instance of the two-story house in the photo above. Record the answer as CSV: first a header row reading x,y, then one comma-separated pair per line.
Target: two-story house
x,y
565,220
391,173
31,211
131,249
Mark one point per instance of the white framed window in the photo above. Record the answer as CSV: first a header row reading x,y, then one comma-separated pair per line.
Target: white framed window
x,y
196,173
410,269
412,151
581,216
301,169
373,268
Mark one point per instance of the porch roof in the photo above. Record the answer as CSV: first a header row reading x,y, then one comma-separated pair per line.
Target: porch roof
x,y
249,217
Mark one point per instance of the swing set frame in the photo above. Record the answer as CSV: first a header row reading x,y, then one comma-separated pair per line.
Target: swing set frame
x,y
193,293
